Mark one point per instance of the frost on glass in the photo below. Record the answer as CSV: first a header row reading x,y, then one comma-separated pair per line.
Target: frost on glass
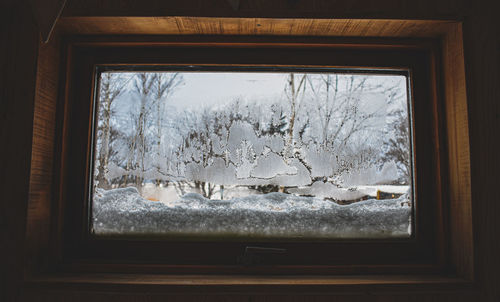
x,y
252,154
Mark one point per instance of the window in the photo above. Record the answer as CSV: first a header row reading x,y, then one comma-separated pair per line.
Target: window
x,y
89,62
247,152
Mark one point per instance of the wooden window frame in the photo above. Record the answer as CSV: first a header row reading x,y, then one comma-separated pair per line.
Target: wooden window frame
x,y
438,168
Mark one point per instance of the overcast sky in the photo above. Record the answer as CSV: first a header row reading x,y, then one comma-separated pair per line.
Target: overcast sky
x,y
210,88
201,89
207,88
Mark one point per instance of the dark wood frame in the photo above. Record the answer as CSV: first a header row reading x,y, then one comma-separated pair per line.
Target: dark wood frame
x,y
81,252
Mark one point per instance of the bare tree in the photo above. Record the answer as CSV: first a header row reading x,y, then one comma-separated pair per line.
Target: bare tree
x,y
293,90
198,145
112,85
143,88
342,111
324,119
398,147
327,104
163,84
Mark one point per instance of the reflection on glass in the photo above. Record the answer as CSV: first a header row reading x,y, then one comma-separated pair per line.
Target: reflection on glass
x,y
253,154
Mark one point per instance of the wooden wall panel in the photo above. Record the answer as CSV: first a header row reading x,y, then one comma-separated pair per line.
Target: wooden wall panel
x,y
42,156
18,53
46,13
482,64
322,9
458,149
252,26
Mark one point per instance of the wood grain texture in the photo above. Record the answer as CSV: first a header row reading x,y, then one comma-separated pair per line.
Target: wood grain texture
x,y
170,256
245,284
42,157
462,249
252,26
197,280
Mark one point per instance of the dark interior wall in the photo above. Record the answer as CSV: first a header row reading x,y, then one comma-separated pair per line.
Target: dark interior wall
x,y
18,49
482,63
18,52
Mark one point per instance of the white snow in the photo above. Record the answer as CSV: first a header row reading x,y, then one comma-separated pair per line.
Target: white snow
x,y
372,190
322,190
124,211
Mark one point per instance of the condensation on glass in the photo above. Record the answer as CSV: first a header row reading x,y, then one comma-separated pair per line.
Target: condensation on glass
x,y
304,154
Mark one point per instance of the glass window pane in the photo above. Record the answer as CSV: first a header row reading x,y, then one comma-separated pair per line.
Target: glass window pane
x,y
252,154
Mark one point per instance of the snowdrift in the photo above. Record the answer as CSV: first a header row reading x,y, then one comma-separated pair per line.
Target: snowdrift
x,y
124,211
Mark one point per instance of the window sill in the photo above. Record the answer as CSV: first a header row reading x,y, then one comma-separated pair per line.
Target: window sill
x,y
306,284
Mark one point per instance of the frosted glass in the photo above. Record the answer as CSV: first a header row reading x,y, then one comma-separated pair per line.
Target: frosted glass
x,y
252,154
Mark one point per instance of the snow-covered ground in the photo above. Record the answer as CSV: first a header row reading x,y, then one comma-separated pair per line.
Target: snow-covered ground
x,y
170,193
372,190
124,211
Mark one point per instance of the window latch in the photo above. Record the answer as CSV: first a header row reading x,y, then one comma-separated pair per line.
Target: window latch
x,y
254,254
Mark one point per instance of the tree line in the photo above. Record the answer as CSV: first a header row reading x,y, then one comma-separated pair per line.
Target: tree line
x,y
324,126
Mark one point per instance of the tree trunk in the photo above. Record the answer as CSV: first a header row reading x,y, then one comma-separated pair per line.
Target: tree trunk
x,y
104,152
